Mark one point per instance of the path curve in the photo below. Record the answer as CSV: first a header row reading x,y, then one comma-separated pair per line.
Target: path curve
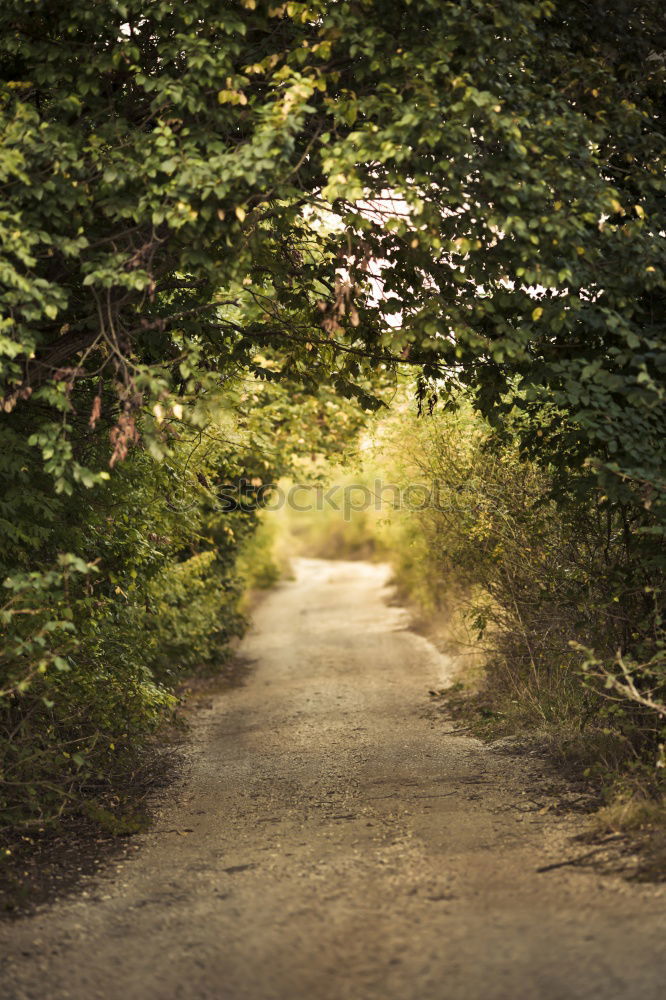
x,y
334,841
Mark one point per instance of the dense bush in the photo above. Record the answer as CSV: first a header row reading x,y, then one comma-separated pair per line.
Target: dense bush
x,y
94,643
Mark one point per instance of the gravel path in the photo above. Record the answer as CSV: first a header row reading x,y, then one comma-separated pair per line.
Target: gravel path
x,y
332,840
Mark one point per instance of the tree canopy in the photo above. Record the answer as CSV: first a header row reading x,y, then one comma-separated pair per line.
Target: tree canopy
x,y
165,171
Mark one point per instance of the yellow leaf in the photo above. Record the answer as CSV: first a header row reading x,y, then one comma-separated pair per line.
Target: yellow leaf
x,y
537,313
231,97
640,211
240,213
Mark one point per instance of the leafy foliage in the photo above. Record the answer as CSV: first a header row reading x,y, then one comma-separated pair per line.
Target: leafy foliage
x,y
296,199
503,164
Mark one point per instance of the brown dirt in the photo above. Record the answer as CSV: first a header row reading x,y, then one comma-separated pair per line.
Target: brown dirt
x,y
333,839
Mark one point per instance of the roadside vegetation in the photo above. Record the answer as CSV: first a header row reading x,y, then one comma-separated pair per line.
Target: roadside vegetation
x,y
230,234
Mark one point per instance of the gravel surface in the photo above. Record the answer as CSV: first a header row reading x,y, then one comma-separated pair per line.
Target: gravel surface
x,y
334,839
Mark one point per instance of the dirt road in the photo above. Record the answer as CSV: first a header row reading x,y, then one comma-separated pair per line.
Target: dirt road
x,y
332,841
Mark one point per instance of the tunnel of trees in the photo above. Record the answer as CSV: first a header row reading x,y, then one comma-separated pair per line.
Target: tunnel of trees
x,y
228,231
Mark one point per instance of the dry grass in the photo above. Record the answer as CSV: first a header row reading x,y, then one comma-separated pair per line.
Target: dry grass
x,y
631,813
